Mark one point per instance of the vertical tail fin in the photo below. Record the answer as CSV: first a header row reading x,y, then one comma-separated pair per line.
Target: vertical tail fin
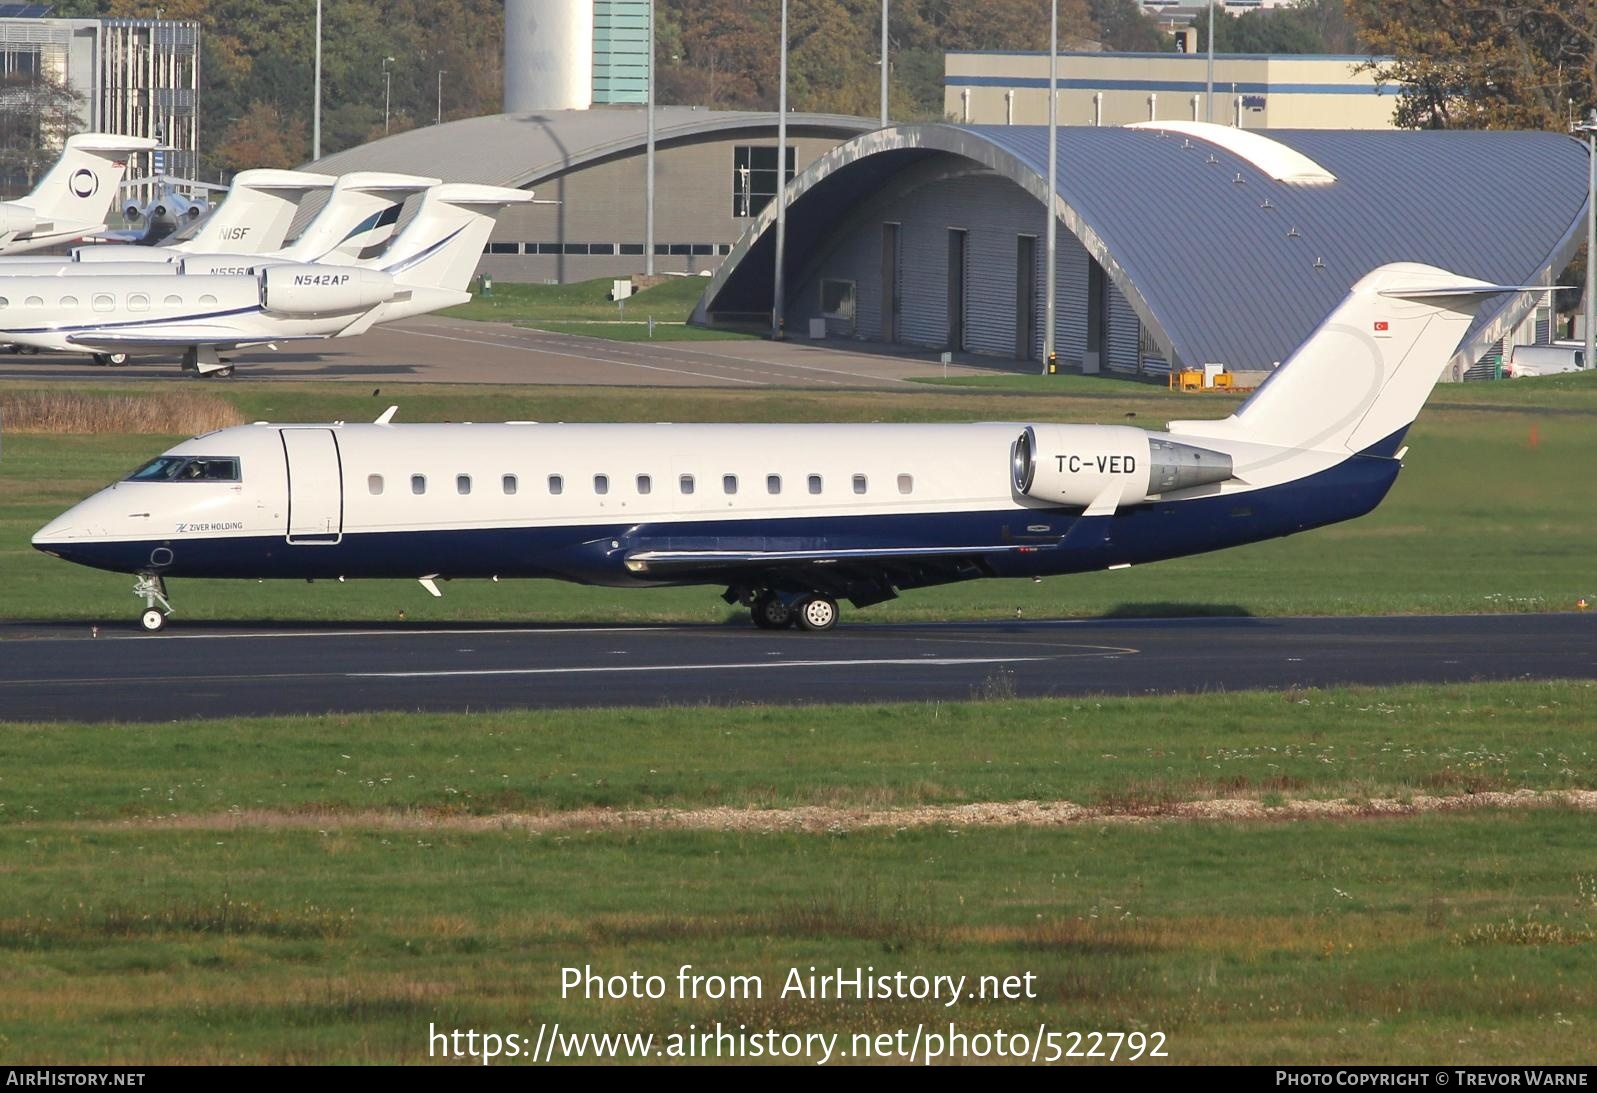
x,y
1364,373
255,216
358,219
78,192
441,246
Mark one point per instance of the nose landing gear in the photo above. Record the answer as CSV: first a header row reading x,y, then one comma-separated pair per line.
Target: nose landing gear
x,y
153,589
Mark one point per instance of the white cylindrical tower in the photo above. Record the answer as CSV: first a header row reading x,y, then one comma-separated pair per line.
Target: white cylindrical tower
x,y
548,55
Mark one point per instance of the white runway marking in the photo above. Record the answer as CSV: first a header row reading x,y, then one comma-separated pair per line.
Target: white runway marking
x,y
936,662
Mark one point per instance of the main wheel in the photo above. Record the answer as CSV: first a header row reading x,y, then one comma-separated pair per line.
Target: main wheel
x,y
770,613
818,613
102,359
116,360
152,620
221,373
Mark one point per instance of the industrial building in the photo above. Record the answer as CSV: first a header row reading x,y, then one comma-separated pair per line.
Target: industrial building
x,y
1181,243
573,54
714,171
136,77
1250,91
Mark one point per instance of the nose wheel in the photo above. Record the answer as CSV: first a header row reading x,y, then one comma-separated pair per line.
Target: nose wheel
x,y
152,588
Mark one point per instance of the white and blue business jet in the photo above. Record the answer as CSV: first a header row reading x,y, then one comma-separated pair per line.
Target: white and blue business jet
x,y
789,518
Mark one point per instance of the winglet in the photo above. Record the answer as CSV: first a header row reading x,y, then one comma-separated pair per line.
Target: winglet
x,y
386,416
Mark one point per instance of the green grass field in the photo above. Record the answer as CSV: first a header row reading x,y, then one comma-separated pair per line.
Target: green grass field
x,y
325,889
584,308
1493,512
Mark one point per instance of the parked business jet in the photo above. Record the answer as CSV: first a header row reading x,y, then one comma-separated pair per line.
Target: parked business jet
x,y
353,227
74,198
426,267
253,218
789,518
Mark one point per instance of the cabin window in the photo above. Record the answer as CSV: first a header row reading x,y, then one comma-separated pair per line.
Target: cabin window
x,y
601,483
35,301
138,302
773,484
462,484
173,301
815,483
686,483
418,483
859,483
187,468
103,301
207,299
509,483
906,483
729,483
69,301
645,484
4,302
374,484
557,485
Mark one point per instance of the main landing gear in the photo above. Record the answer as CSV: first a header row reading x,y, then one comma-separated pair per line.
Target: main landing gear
x,y
153,589
811,611
115,360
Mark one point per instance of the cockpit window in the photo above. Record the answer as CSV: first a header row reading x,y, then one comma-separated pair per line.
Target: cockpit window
x,y
187,468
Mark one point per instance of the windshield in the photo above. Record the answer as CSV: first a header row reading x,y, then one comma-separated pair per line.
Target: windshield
x,y
188,468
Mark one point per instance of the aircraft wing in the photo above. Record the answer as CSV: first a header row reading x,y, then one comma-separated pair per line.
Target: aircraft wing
x,y
109,342
856,573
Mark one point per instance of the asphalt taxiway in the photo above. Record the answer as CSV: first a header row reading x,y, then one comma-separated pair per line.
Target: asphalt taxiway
x,y
62,672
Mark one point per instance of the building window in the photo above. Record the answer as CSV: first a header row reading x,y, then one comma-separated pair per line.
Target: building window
x,y
682,249
509,484
575,248
645,484
686,483
815,483
547,248
462,484
601,248
754,181
724,248
859,483
557,485
632,248
418,483
504,248
704,248
374,484
906,483
837,299
773,483
601,483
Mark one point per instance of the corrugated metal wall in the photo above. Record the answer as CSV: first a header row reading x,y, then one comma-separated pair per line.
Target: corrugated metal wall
x,y
993,212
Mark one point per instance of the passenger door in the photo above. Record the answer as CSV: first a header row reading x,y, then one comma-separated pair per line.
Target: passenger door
x,y
315,486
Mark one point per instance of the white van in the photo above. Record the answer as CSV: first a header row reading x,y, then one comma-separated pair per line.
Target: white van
x,y
1545,360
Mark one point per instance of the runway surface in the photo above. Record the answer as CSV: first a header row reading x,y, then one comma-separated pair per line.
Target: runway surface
x,y
437,349
60,672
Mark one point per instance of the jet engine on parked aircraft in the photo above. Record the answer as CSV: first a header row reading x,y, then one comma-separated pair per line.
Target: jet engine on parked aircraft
x,y
17,219
1098,465
323,290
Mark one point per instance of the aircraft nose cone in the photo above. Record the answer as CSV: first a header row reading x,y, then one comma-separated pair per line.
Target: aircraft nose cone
x,y
54,533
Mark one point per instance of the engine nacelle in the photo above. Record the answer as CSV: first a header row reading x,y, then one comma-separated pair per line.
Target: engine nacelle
x,y
17,220
1106,466
323,290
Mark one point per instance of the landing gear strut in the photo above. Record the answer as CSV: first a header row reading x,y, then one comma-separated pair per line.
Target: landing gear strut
x,y
153,589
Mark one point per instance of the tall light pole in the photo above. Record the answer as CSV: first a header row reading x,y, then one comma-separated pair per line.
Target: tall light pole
x,y
388,91
1590,317
778,288
442,72
1208,98
884,64
316,109
1050,365
648,167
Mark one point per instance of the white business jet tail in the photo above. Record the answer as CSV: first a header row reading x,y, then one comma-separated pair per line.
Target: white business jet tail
x,y
74,198
255,216
358,220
